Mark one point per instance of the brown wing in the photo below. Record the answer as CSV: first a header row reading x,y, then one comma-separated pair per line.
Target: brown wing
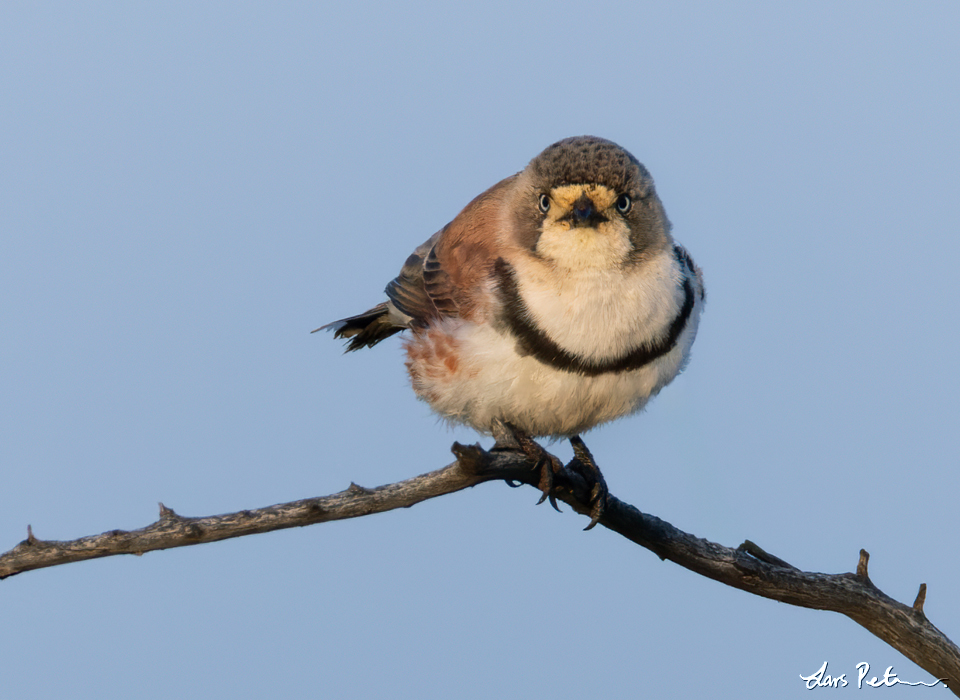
x,y
444,276
408,291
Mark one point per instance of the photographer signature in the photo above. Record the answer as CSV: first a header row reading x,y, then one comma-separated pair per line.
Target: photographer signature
x,y
822,679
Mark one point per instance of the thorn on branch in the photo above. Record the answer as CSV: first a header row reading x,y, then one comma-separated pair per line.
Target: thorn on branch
x,y
30,538
469,457
862,564
758,552
357,489
921,597
167,513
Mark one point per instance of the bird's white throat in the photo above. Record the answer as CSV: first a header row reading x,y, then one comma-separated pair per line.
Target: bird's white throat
x,y
602,312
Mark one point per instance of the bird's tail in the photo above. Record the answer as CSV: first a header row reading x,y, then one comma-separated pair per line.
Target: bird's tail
x,y
364,330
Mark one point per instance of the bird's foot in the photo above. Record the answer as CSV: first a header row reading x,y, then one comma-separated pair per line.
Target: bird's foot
x,y
541,459
584,465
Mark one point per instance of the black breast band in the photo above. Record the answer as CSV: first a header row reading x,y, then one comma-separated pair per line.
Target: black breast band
x,y
534,341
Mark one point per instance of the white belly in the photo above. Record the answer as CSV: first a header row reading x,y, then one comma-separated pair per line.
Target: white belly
x,y
473,374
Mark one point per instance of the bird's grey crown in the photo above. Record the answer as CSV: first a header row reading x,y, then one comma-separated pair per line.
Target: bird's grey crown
x,y
591,159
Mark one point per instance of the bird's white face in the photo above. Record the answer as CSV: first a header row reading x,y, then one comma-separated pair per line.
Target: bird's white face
x,y
603,243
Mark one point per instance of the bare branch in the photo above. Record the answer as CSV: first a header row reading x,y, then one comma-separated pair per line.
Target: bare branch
x,y
747,567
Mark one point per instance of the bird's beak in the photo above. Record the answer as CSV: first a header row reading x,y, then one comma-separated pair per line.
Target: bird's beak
x,y
584,214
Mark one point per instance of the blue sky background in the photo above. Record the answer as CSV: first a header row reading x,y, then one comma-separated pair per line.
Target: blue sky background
x,y
187,189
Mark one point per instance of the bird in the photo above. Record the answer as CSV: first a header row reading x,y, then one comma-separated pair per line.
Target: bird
x,y
555,301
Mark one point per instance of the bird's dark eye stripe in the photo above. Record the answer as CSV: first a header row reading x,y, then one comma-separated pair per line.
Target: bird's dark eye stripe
x,y
544,203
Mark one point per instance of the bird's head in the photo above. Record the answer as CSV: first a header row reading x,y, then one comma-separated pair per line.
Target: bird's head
x,y
586,202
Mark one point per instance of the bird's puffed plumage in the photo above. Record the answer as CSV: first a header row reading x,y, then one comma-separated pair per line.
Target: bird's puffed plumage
x,y
555,301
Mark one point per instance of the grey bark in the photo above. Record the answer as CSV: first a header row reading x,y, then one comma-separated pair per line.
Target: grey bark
x,y
747,567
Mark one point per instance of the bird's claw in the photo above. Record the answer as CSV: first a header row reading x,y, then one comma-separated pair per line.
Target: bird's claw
x,y
548,466
584,464
541,459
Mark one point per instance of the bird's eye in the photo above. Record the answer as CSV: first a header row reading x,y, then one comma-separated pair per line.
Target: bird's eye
x,y
544,203
624,203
